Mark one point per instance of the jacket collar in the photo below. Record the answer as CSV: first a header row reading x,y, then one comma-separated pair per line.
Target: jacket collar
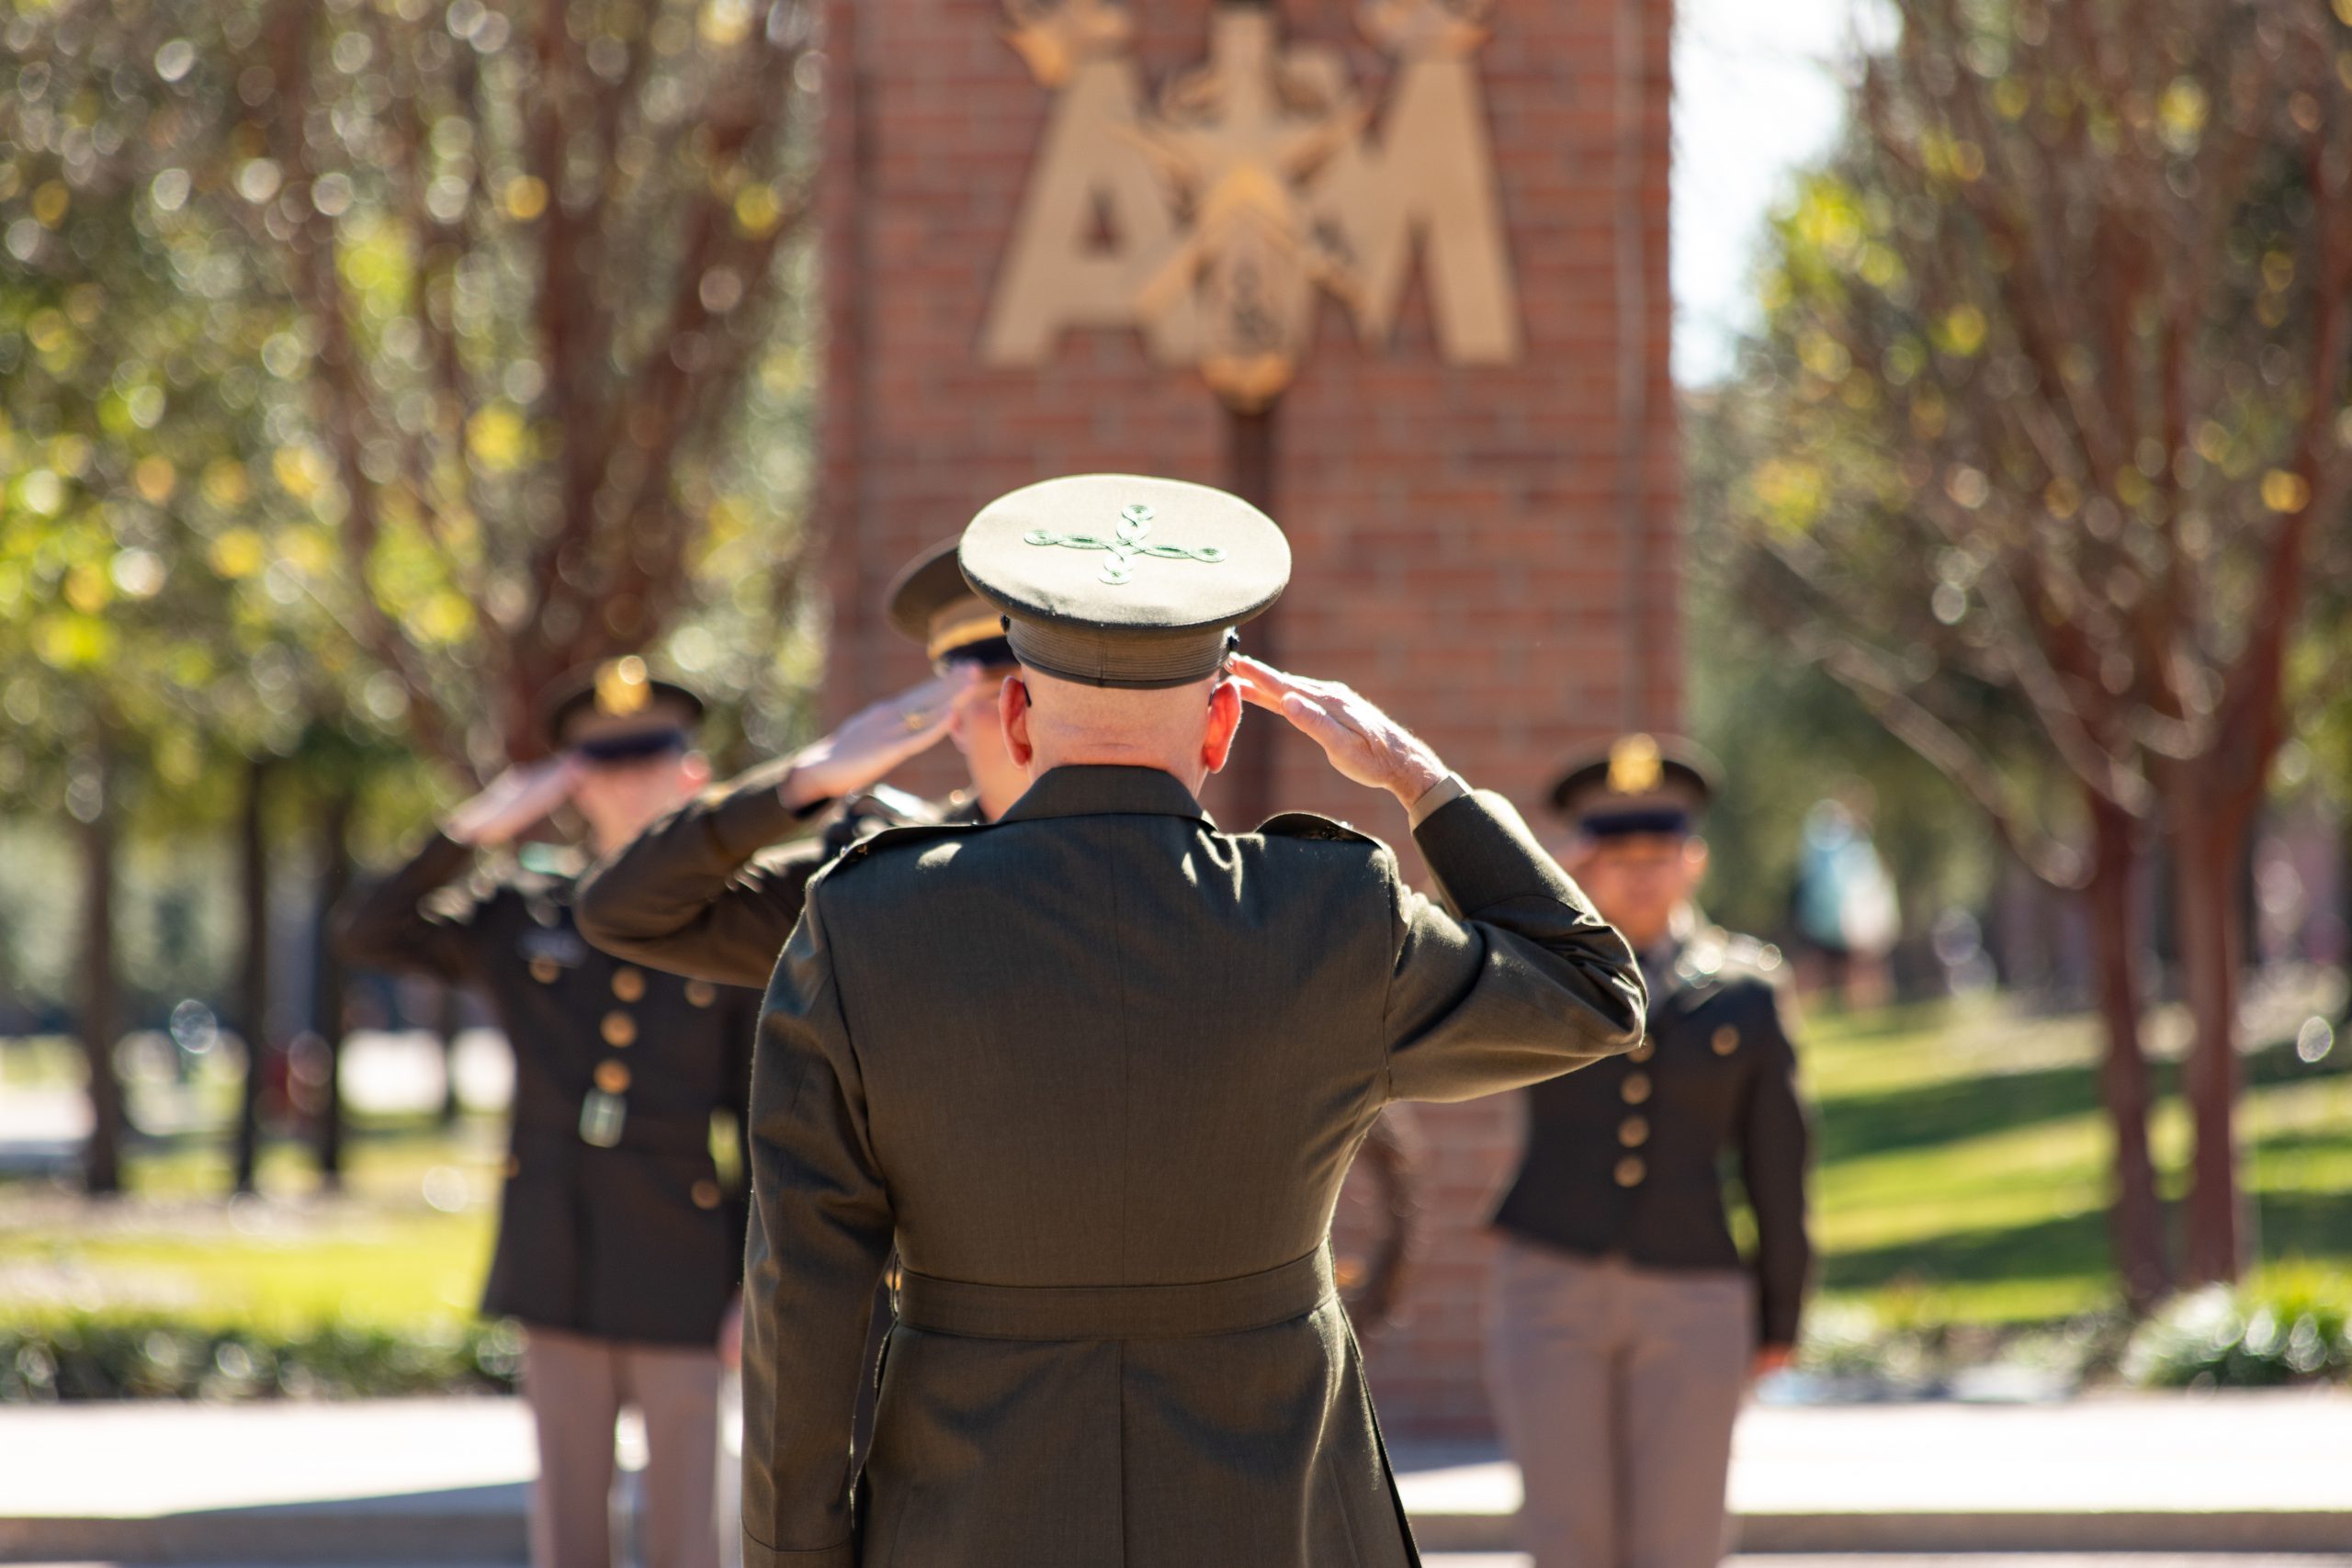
x,y
1105,791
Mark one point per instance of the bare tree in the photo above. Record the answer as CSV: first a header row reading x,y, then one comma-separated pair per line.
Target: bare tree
x,y
539,250
2057,355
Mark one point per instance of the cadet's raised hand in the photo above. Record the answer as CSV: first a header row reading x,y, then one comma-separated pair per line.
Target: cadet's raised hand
x,y
513,801
1362,742
876,739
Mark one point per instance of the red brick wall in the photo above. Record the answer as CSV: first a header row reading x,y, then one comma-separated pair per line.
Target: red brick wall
x,y
1466,550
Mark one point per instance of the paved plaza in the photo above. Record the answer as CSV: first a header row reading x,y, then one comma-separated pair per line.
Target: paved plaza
x,y
444,1481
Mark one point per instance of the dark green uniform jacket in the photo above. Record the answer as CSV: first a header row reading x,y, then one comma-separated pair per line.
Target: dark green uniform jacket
x,y
1628,1159
1111,1181
637,1241
712,890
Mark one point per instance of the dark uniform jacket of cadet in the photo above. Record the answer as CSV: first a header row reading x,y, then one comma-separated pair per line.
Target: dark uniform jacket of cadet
x,y
635,1242
712,891
1100,1068
1628,1159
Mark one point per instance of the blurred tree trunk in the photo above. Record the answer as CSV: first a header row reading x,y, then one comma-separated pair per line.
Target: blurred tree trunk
x,y
102,1155
2207,871
2136,1220
327,976
252,983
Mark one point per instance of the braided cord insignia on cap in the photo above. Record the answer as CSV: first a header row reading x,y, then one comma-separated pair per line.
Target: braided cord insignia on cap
x,y
1127,545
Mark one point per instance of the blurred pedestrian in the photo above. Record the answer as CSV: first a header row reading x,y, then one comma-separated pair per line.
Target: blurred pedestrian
x,y
620,1244
713,890
1625,1326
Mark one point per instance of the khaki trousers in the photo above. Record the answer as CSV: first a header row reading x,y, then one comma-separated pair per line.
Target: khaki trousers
x,y
577,1386
1617,1387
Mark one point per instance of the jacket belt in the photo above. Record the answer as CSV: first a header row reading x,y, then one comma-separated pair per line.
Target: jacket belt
x,y
1116,1312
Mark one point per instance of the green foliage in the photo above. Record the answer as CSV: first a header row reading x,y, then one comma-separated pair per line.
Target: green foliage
x,y
2288,1324
1789,734
144,1354
2028,448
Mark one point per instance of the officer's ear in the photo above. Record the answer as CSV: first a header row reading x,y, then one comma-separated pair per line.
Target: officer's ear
x,y
1013,710
1225,723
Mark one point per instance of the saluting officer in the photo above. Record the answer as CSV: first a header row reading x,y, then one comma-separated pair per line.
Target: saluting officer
x,y
1099,1068
707,892
1625,1326
618,1247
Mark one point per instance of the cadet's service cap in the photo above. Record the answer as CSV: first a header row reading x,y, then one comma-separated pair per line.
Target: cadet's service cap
x,y
931,604
1115,580
1641,783
618,709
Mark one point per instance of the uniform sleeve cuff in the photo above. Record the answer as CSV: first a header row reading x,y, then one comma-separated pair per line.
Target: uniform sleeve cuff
x,y
1445,792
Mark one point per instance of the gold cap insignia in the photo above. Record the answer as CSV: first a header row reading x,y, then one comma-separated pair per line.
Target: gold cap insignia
x,y
623,687
1634,766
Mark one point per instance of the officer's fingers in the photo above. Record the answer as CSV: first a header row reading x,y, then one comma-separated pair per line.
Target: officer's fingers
x,y
1317,724
1258,671
1267,697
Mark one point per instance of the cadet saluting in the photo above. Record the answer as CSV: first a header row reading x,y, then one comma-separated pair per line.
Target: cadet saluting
x,y
617,1247
1625,1330
1099,1067
703,894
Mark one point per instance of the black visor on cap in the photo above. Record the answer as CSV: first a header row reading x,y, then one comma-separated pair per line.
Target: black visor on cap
x,y
1669,820
632,748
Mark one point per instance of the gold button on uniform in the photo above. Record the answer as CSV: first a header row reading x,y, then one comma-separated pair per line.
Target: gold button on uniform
x,y
1726,1040
612,1077
702,993
705,1194
629,984
1634,1132
545,971
619,1029
1642,1051
1637,1089
1630,1171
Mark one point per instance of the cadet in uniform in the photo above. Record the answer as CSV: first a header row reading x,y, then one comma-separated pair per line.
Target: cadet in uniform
x,y
1625,1328
1099,1068
618,1247
703,893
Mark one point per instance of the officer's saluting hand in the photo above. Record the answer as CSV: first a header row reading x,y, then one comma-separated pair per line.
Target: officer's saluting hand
x,y
713,890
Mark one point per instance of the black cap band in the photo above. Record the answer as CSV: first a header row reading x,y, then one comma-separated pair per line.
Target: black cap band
x,y
630,748
988,653
1668,820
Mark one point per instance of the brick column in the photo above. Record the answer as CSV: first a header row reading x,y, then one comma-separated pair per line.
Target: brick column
x,y
1490,551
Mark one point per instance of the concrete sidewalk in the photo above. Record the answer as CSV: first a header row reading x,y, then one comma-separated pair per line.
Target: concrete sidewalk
x,y
445,1480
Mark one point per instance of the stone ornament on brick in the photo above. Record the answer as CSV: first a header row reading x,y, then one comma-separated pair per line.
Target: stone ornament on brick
x,y
1254,179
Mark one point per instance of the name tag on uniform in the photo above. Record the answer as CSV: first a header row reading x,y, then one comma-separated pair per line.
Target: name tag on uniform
x,y
601,1116
553,944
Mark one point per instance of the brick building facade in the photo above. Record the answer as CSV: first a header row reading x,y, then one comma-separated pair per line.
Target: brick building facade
x,y
1490,550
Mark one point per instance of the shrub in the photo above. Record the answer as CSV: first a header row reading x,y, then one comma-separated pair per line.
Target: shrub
x,y
111,1353
2286,1325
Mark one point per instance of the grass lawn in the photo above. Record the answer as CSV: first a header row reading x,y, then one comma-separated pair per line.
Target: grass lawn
x,y
405,1244
1962,1177
1963,1159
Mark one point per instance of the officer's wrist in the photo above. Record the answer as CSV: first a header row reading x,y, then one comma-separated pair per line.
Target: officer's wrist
x,y
800,790
1447,789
